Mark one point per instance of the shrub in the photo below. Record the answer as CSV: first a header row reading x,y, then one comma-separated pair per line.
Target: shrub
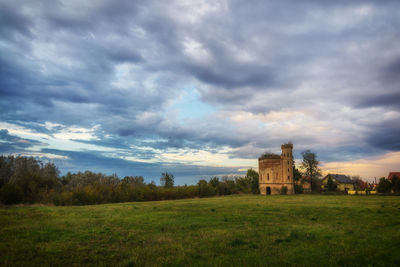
x,y
244,184
331,185
11,194
205,189
298,189
384,186
284,190
63,198
253,176
396,184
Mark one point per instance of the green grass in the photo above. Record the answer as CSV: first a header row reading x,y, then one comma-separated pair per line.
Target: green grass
x,y
297,230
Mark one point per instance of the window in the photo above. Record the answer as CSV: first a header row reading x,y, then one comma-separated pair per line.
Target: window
x,y
288,170
288,177
268,176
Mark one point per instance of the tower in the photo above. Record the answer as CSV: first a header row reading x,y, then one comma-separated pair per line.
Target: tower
x,y
287,166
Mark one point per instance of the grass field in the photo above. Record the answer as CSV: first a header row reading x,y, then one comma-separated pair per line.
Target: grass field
x,y
235,230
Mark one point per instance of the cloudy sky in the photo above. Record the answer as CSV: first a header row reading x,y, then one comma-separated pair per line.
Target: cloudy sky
x,y
200,88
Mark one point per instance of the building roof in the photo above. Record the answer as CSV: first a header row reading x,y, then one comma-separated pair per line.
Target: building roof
x,y
270,156
341,178
391,174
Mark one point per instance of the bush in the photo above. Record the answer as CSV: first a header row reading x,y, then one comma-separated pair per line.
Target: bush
x,y
205,189
396,184
331,185
384,186
284,190
253,176
298,189
11,194
63,199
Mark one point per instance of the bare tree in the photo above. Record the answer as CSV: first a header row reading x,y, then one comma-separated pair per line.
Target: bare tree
x,y
310,166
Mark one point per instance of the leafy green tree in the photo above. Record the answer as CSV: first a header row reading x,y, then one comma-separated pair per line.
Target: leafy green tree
x,y
214,182
244,184
152,185
66,179
296,174
228,186
49,175
384,185
204,188
310,165
396,184
26,175
331,185
136,181
167,180
6,169
253,176
298,188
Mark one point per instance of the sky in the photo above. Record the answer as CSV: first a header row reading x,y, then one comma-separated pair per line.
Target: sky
x,y
200,88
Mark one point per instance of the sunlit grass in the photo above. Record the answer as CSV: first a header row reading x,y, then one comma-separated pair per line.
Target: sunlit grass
x,y
234,230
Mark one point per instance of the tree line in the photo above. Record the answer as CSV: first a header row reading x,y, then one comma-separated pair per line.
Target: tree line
x,y
29,180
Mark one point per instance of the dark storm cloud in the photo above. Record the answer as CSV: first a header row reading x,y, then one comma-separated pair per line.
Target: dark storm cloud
x,y
391,72
123,145
388,95
385,135
44,81
240,75
106,142
187,136
381,100
13,21
13,144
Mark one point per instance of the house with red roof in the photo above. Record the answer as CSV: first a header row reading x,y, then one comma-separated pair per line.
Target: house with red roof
x,y
392,174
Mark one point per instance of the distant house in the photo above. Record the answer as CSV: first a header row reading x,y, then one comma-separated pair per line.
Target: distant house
x,y
392,174
343,182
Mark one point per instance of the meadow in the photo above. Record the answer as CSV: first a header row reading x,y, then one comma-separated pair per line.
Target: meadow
x,y
237,230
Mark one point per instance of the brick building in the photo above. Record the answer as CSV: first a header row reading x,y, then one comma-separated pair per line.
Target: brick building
x,y
276,172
